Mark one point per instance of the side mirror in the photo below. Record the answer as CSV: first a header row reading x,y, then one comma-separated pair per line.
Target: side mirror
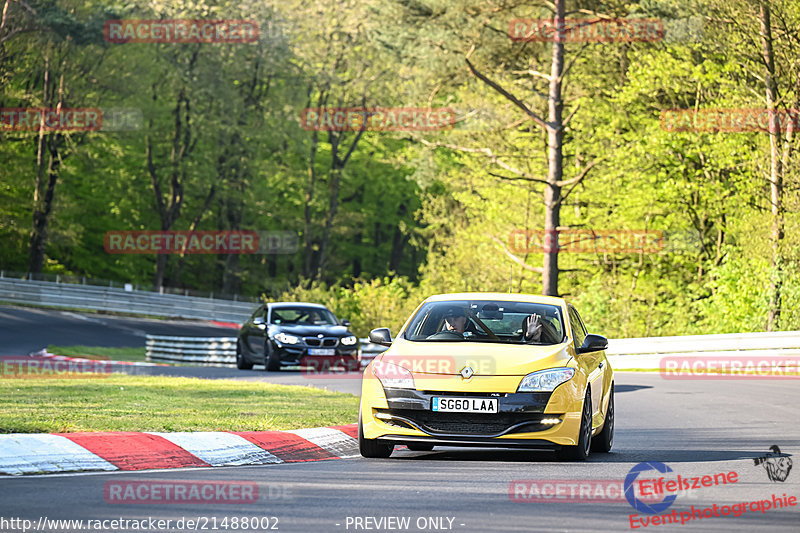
x,y
593,343
381,336
259,322
345,322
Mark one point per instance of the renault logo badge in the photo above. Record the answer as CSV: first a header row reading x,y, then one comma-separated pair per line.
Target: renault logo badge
x,y
467,372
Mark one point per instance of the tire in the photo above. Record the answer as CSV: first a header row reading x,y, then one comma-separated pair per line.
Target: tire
x,y
271,360
605,439
582,450
372,448
419,447
241,362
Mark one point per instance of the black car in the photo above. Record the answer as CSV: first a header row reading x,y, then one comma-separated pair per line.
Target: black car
x,y
290,334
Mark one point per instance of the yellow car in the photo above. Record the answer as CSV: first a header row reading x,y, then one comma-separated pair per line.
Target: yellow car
x,y
489,369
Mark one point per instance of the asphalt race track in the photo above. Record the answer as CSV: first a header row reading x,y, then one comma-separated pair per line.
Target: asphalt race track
x,y
696,427
24,329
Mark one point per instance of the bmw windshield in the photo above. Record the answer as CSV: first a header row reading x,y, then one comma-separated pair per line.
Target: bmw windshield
x,y
302,316
486,321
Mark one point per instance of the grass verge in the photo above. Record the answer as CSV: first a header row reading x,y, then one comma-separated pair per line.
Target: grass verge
x,y
119,402
99,352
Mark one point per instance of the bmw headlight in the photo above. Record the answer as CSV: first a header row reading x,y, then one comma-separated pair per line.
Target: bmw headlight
x,y
286,339
349,341
545,380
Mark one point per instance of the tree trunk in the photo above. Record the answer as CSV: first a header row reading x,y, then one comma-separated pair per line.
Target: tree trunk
x,y
169,211
308,251
43,195
334,184
43,205
555,139
776,170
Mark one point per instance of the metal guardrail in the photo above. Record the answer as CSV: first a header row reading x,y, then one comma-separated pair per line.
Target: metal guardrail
x,y
643,352
217,350
203,350
646,352
66,295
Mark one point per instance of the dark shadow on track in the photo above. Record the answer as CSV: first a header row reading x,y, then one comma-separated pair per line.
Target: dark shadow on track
x,y
536,456
630,388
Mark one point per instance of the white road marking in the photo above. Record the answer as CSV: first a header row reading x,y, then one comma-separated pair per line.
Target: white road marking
x,y
218,448
38,453
334,441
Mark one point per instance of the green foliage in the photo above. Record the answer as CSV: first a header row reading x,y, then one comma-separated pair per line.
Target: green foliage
x,y
380,302
417,212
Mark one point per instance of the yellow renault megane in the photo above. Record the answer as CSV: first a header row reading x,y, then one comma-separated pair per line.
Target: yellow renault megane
x,y
489,369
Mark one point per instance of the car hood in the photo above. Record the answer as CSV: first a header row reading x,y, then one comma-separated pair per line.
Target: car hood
x,y
310,331
486,359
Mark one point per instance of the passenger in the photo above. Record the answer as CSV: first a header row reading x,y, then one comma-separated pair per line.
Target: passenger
x,y
537,329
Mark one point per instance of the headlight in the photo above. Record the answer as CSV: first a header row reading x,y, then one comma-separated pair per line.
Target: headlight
x,y
349,341
286,339
545,380
392,376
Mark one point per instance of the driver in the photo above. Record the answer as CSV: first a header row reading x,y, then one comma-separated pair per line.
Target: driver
x,y
455,320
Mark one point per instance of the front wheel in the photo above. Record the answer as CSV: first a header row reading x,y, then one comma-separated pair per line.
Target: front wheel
x,y
605,439
271,360
372,448
582,450
241,362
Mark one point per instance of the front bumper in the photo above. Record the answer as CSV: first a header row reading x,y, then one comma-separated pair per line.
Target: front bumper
x,y
405,415
294,356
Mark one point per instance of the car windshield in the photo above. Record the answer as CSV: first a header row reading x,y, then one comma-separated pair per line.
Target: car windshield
x,y
484,321
303,316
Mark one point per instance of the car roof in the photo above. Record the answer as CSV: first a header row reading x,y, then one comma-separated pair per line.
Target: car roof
x,y
502,296
296,304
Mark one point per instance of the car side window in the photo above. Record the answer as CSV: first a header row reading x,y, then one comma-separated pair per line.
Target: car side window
x,y
259,312
580,321
578,331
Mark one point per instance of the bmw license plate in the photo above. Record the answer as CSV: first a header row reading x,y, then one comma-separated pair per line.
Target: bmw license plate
x,y
321,351
464,405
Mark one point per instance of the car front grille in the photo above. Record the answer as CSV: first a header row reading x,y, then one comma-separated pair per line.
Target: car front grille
x,y
469,423
316,341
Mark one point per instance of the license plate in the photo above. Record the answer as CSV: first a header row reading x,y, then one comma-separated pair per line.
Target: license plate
x,y
321,351
464,405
